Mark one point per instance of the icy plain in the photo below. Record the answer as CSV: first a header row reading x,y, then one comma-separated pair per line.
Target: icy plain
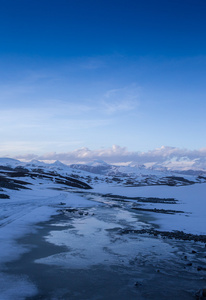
x,y
96,232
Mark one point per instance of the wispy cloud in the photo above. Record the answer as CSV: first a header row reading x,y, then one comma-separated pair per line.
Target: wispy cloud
x,y
93,63
18,147
64,114
121,100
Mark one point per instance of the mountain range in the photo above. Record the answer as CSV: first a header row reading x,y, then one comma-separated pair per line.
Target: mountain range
x,y
17,174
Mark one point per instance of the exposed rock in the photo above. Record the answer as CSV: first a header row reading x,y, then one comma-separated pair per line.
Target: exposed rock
x,y
161,211
178,235
199,268
4,196
201,294
138,284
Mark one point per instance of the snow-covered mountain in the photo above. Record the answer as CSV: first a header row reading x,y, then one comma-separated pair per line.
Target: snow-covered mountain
x,y
96,167
86,176
140,175
180,164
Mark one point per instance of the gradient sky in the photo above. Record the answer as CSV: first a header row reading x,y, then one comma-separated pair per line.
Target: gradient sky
x,y
91,73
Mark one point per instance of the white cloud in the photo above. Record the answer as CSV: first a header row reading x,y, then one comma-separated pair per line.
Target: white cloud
x,y
171,157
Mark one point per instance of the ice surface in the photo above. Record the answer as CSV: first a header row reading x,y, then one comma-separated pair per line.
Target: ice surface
x,y
21,214
16,287
94,240
191,200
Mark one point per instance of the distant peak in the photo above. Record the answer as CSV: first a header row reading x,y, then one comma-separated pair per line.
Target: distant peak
x,y
58,163
97,163
36,162
9,161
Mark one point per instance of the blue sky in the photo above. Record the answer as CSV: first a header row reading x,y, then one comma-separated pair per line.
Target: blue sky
x,y
93,74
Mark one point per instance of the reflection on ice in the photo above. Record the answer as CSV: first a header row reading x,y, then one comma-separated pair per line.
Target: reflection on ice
x,y
96,240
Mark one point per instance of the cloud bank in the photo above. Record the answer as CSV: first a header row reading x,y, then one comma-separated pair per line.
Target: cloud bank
x,y
170,157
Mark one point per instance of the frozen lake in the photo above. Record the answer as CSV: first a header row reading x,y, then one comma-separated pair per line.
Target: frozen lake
x,y
94,251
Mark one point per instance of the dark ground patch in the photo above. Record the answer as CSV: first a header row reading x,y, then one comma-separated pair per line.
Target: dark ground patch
x,y
160,211
141,199
4,196
13,184
178,235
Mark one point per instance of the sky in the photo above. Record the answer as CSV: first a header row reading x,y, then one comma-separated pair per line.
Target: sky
x,y
87,74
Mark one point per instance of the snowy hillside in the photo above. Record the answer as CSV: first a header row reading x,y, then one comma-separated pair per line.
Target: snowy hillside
x,y
99,172
65,219
115,183
140,175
